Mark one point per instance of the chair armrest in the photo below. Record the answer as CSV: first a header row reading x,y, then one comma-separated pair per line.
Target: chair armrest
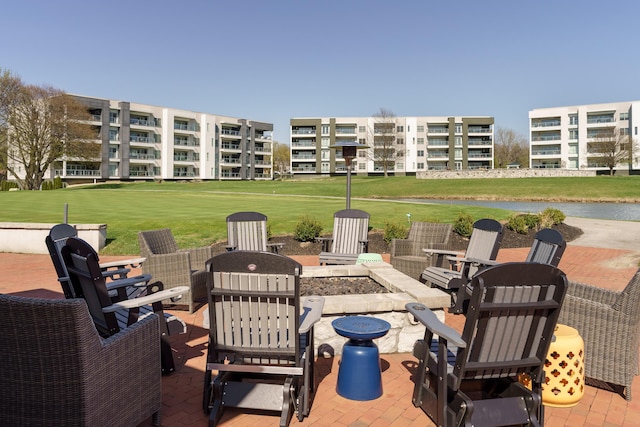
x,y
326,243
425,316
116,273
171,293
593,293
133,262
442,252
198,256
479,261
275,247
311,312
138,281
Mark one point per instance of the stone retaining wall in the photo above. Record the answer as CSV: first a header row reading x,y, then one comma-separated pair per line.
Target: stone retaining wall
x,y
503,173
28,238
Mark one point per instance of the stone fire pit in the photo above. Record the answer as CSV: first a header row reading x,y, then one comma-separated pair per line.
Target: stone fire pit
x,y
388,306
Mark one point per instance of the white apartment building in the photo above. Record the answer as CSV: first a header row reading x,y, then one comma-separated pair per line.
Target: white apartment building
x,y
560,136
420,143
143,142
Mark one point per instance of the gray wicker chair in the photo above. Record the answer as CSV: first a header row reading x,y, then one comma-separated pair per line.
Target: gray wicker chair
x,y
57,371
407,255
175,267
609,323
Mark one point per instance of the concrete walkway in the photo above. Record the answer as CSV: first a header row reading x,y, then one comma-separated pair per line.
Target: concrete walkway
x,y
601,233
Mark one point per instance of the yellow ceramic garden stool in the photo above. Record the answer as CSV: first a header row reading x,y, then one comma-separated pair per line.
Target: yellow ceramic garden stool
x,y
564,369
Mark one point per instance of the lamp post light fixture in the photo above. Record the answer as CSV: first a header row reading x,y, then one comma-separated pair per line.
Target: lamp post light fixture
x,y
349,149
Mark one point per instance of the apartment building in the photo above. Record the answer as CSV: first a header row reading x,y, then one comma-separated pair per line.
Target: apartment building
x,y
569,137
143,142
418,144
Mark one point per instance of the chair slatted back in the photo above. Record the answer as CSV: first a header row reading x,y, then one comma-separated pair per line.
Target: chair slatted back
x,y
510,322
548,247
350,228
55,241
485,239
87,282
247,231
254,306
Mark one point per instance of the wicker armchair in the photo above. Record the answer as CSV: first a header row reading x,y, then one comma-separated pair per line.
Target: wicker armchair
x,y
407,255
173,266
609,323
56,371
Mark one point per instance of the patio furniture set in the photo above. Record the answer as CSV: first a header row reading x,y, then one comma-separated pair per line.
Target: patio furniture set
x,y
261,331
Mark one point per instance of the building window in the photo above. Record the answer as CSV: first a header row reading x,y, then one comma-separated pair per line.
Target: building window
x,y
362,166
420,141
399,166
458,141
420,129
362,153
362,129
458,128
624,116
624,131
573,119
420,166
400,129
400,141
420,153
573,133
325,129
362,141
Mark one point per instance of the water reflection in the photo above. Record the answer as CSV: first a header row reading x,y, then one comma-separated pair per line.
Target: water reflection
x,y
615,211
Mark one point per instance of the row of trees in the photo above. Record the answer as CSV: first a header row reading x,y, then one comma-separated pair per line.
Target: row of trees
x,y
38,125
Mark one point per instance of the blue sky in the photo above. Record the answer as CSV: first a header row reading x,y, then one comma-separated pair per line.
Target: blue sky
x,y
274,60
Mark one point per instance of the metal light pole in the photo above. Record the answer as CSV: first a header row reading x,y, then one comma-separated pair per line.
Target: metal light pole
x,y
349,149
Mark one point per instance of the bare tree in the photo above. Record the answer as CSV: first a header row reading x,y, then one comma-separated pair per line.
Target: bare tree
x,y
609,148
510,147
10,85
384,140
281,157
41,125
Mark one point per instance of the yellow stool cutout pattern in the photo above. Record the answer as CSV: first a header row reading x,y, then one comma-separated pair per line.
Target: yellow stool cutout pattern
x,y
564,369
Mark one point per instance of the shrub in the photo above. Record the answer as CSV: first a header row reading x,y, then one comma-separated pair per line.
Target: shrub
x,y
57,182
7,185
307,229
393,230
463,224
517,223
551,216
532,221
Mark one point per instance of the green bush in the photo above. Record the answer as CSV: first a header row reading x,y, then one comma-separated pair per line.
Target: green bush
x,y
463,224
7,185
517,223
57,182
307,229
551,216
532,221
393,230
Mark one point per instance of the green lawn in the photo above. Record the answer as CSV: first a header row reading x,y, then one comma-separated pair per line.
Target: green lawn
x,y
196,212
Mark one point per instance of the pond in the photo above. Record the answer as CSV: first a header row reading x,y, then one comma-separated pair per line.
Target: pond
x,y
611,211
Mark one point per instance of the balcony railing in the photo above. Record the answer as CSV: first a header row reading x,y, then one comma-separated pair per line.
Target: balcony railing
x,y
547,152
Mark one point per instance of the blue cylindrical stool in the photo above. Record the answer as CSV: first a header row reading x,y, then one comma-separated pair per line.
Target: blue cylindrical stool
x,y
359,375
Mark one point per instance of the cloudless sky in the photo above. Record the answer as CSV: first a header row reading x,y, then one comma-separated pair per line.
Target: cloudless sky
x,y
274,60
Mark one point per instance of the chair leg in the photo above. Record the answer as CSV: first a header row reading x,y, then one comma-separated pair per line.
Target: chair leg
x,y
166,355
288,395
155,419
216,407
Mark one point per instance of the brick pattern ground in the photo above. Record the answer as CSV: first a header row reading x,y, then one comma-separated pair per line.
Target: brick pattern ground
x,y
33,275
